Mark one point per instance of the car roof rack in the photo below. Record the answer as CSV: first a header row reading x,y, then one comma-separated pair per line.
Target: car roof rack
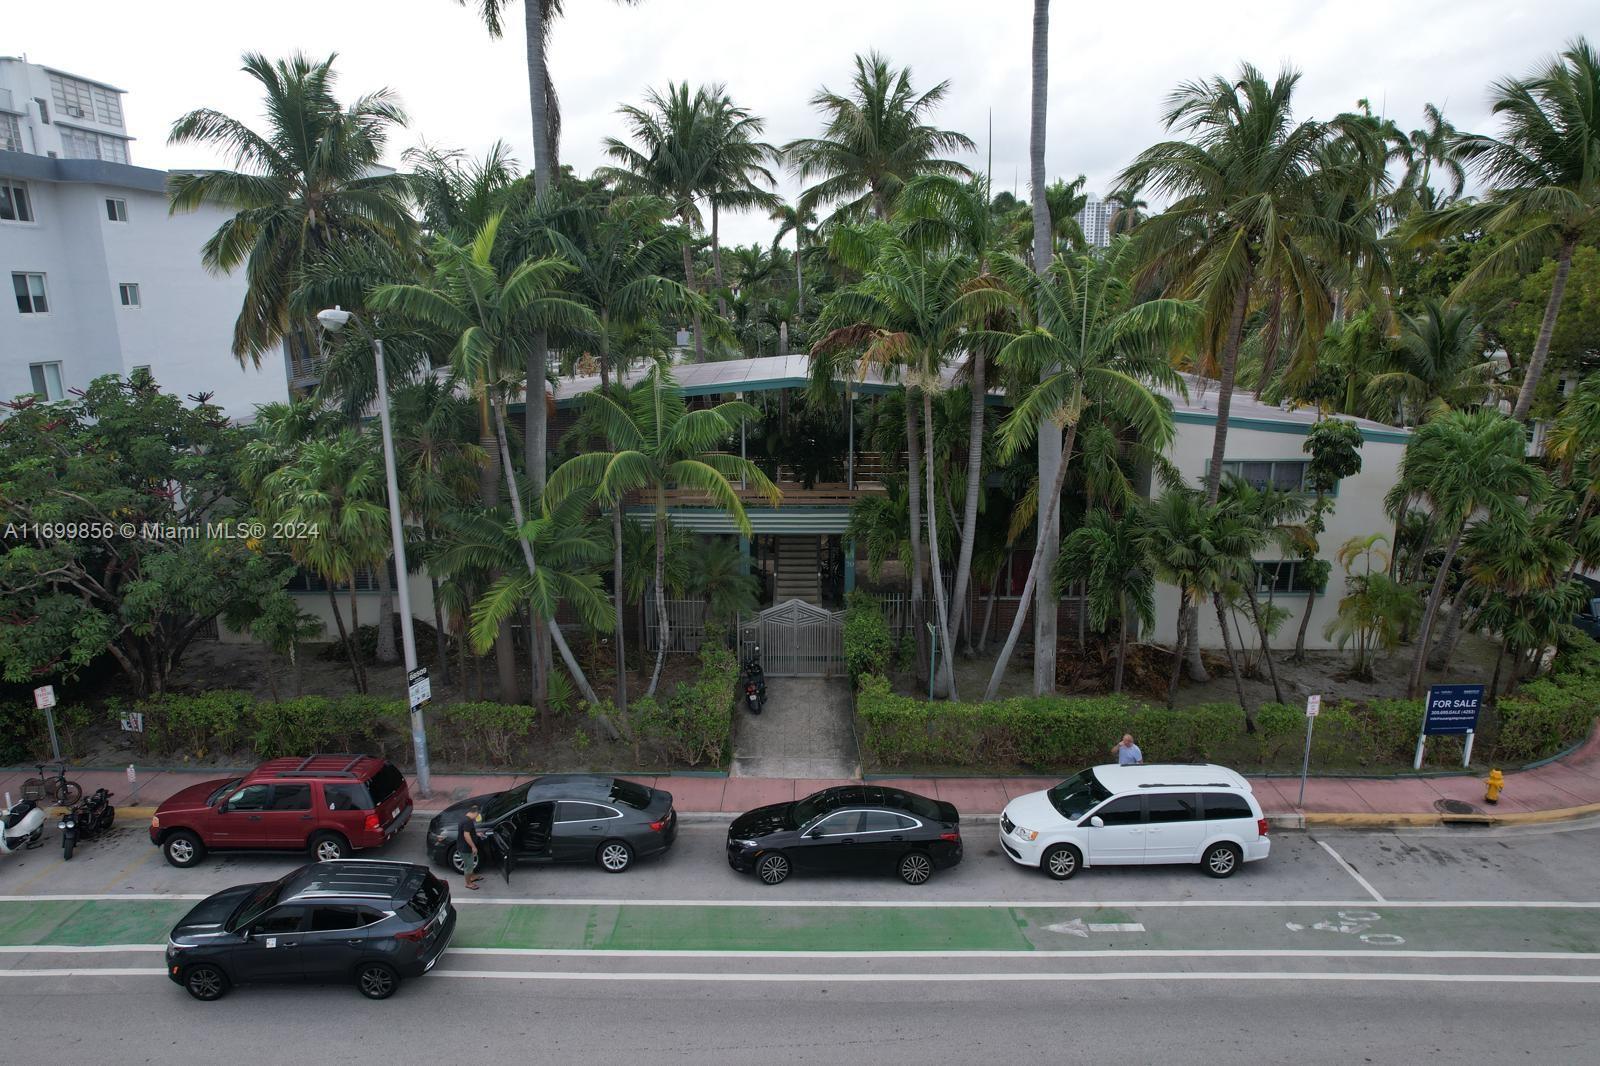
x,y
1186,784
317,773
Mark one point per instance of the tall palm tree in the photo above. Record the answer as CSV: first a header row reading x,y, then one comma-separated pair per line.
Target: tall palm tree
x,y
1464,467
1434,146
675,157
1249,189
297,190
875,140
1439,365
799,218
658,445
1129,213
738,172
1052,461
1087,342
1544,184
489,310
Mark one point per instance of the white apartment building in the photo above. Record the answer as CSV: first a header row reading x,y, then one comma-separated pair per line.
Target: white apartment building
x,y
1095,221
102,279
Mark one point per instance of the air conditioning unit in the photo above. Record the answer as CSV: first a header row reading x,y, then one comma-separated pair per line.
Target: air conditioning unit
x,y
75,112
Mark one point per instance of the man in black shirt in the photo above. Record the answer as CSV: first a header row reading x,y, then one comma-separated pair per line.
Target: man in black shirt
x,y
471,847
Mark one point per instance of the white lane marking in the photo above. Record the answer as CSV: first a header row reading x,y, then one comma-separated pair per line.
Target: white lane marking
x,y
1116,927
1351,870
121,971
75,949
918,904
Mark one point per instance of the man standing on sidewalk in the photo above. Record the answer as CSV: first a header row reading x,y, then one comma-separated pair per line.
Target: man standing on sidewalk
x,y
1127,752
471,846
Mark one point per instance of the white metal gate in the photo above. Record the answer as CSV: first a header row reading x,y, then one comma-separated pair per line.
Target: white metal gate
x,y
797,639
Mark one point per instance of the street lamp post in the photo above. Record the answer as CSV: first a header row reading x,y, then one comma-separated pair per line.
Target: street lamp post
x,y
333,320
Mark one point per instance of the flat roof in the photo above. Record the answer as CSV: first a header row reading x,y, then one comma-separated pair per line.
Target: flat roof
x,y
794,371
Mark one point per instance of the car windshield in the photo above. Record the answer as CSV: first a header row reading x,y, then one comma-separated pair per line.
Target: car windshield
x,y
226,789
506,802
255,905
1077,794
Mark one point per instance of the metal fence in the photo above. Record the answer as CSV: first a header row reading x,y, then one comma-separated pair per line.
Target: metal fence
x,y
797,639
686,624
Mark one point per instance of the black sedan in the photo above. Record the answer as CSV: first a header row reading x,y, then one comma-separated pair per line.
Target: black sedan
x,y
849,829
563,818
359,920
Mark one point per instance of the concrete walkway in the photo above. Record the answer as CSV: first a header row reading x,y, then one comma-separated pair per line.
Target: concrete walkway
x,y
806,730
1564,789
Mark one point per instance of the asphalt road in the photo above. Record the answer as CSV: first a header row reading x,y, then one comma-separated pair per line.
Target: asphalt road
x,y
1342,946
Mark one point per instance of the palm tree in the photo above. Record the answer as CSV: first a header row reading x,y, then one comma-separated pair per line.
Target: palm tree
x,y
1129,212
1544,195
1109,556
1052,460
715,572
1435,145
1462,466
659,445
489,311
1439,365
303,187
1249,194
1088,342
1376,609
1333,445
1190,541
875,140
738,170
798,218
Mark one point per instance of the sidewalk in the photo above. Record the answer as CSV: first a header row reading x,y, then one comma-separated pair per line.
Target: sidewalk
x,y
1567,788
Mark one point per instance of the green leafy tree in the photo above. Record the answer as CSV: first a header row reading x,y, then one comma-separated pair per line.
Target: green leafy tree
x,y
1375,610
1334,446
1109,555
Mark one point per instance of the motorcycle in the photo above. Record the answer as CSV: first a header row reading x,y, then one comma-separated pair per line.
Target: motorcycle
x,y
755,682
24,827
85,821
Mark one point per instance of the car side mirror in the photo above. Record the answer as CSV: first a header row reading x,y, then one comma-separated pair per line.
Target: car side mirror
x,y
222,808
1098,822
815,832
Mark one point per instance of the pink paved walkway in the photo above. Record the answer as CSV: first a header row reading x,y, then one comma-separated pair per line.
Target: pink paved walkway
x,y
1572,782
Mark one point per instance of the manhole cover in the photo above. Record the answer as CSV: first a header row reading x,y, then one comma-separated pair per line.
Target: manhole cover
x,y
1449,806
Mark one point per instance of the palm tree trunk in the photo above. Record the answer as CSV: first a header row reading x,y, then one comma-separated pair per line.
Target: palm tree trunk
x,y
914,505
1233,662
616,594
988,611
799,278
1266,645
1547,329
344,638
489,490
1445,646
355,639
441,645
1420,659
716,261
969,517
385,651
1274,325
1305,624
1177,646
688,281
1122,639
1052,460
536,416
948,683
539,103
579,678
1051,503
1230,367
1494,682
663,628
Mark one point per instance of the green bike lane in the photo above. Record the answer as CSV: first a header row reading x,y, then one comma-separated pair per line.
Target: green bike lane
x,y
808,929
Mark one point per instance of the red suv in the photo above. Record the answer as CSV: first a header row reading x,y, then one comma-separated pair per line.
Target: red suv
x,y
330,804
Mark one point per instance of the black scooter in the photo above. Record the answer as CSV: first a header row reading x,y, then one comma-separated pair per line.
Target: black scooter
x,y
88,819
754,682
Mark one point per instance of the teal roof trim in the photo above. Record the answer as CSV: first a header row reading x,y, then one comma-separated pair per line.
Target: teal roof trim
x,y
1197,418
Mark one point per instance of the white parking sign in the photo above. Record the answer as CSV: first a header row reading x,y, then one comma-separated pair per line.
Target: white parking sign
x,y
1313,705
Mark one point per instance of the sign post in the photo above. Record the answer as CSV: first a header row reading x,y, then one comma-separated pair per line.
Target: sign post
x,y
1451,710
1313,705
44,698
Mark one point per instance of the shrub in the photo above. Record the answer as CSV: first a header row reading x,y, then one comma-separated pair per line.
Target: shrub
x,y
22,733
498,732
867,643
195,726
693,725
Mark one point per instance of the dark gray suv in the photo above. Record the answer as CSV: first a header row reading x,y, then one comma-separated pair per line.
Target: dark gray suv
x,y
359,920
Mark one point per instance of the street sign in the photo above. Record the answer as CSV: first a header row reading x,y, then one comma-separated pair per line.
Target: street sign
x,y
420,689
44,697
1313,705
1452,709
132,721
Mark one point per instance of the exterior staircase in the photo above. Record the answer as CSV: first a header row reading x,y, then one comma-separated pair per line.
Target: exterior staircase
x,y
799,571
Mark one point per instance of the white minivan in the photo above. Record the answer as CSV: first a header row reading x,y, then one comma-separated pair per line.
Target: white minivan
x,y
1135,815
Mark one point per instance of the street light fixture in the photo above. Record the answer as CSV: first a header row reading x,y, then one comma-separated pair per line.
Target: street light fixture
x,y
333,320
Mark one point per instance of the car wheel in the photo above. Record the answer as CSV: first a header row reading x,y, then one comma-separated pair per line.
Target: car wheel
x,y
325,847
1221,860
773,868
456,862
915,868
614,856
377,980
205,982
183,849
1061,861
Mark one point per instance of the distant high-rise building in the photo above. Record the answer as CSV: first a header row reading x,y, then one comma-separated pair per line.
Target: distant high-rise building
x,y
1095,221
105,280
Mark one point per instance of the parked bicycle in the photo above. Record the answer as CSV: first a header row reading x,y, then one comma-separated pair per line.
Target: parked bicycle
x,y
52,789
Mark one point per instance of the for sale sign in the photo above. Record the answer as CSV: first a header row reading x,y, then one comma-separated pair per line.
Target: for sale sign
x,y
1452,709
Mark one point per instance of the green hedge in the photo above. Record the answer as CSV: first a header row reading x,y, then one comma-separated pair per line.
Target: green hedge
x,y
868,647
692,726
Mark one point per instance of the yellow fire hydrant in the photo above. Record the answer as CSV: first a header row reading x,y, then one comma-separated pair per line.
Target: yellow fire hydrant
x,y
1497,781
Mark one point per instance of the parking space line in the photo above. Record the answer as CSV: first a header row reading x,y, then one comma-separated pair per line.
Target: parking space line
x,y
1351,870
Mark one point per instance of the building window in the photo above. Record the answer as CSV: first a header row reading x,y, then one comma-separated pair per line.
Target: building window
x,y
116,210
86,144
108,107
76,98
31,299
1283,475
14,203
128,291
44,109
1285,577
10,134
46,381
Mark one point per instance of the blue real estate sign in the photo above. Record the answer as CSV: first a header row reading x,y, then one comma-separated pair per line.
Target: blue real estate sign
x,y
1452,709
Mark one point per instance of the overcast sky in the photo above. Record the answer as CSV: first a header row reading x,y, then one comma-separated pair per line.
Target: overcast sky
x,y
1111,65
